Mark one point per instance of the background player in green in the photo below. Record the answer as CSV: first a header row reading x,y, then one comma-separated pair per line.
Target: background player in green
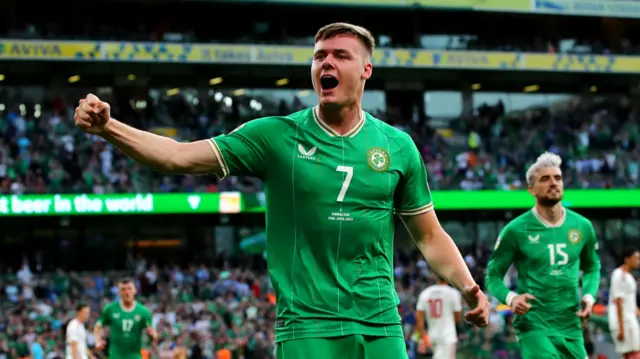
x,y
549,245
334,178
126,319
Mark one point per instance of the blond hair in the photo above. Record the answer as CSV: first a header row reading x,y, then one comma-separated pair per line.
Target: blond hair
x,y
342,28
545,160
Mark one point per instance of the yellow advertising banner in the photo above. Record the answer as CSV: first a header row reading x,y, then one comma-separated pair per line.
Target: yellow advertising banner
x,y
488,5
88,51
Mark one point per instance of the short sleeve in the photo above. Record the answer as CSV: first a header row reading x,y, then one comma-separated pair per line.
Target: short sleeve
x,y
422,302
148,320
457,301
73,332
412,195
104,319
617,285
245,151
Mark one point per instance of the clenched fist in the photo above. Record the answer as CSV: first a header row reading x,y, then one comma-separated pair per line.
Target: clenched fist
x,y
92,115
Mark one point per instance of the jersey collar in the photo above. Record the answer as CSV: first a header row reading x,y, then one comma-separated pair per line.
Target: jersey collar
x,y
135,303
546,223
333,133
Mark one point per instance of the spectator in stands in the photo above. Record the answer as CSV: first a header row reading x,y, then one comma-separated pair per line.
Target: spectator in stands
x,y
598,136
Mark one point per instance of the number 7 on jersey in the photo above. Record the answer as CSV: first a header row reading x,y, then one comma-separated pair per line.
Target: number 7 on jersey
x,y
347,181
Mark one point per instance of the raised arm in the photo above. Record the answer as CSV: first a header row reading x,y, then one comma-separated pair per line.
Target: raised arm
x,y
246,151
163,154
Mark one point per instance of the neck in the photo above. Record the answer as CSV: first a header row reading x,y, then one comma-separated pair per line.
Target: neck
x,y
626,268
127,305
551,214
343,118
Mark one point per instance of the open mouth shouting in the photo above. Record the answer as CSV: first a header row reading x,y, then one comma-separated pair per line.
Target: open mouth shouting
x,y
328,83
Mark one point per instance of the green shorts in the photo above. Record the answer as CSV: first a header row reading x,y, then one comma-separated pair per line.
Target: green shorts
x,y
347,347
539,346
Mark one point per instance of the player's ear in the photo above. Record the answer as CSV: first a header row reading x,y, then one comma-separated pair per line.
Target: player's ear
x,y
368,70
532,190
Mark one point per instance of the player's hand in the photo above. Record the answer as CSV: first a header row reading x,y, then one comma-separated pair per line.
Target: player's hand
x,y
585,313
479,304
99,344
154,335
520,304
620,336
92,115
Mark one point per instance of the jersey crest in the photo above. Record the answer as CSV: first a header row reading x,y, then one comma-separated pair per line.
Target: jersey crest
x,y
574,236
378,159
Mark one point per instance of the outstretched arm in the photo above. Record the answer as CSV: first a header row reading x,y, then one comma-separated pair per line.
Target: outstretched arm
x,y
160,153
163,154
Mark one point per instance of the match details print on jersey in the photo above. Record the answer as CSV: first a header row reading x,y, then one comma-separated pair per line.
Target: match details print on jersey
x,y
331,201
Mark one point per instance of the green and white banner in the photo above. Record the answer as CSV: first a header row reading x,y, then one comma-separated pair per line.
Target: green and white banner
x,y
236,202
137,203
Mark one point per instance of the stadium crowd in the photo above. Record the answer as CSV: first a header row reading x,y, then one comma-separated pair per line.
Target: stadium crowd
x,y
215,312
42,152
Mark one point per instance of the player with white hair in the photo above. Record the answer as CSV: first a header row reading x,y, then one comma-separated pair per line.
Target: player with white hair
x,y
549,245
545,160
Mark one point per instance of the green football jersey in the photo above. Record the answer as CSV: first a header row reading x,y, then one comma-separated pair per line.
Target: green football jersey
x,y
549,260
330,204
126,328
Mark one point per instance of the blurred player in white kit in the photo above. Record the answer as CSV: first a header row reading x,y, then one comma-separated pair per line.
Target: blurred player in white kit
x,y
441,306
623,309
76,334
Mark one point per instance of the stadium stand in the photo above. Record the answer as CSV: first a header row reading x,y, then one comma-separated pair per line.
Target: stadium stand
x,y
597,136
207,296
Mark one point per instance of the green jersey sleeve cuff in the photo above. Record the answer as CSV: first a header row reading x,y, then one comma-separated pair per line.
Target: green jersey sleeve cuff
x,y
416,211
510,297
223,164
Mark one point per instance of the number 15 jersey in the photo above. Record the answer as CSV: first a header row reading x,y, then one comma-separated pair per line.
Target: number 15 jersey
x,y
330,204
